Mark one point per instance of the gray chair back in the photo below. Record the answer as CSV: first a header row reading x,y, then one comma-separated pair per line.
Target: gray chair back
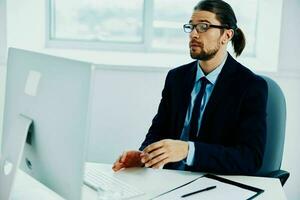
x,y
276,119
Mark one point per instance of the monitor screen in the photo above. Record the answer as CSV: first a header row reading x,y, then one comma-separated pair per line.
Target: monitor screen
x,y
54,93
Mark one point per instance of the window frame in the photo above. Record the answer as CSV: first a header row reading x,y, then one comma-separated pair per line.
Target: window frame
x,y
257,61
144,46
100,45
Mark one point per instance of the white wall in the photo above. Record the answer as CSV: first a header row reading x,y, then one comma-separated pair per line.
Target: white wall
x,y
2,30
124,104
3,48
291,88
289,62
126,98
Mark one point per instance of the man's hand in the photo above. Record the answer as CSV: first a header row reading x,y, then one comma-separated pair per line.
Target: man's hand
x,y
128,159
164,151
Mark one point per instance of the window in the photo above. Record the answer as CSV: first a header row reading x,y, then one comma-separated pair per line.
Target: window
x,y
156,26
168,19
151,25
92,20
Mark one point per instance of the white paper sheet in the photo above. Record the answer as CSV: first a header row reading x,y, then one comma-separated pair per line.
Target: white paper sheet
x,y
223,191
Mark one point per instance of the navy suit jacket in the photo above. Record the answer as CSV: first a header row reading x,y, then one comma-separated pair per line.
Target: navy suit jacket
x,y
232,134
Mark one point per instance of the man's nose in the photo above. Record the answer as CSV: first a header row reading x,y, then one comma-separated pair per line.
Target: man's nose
x,y
194,34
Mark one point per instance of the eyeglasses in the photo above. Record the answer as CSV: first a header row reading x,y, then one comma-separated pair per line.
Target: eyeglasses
x,y
201,27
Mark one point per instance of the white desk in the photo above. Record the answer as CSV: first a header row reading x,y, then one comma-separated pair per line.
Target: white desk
x,y
153,182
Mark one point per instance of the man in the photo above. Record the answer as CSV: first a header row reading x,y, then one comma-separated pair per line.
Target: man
x,y
212,115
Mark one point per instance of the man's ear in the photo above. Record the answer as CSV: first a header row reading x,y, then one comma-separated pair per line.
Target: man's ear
x,y
227,36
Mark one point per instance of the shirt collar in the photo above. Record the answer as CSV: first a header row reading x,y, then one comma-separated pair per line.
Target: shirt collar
x,y
212,76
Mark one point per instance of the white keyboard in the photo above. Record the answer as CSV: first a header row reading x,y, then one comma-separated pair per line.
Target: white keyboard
x,y
97,180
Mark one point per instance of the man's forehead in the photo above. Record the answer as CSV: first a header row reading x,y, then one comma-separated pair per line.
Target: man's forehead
x,y
204,16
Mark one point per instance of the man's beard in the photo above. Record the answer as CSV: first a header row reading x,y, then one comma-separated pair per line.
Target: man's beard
x,y
203,55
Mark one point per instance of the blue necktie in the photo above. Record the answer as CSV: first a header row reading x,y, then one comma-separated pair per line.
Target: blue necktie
x,y
196,110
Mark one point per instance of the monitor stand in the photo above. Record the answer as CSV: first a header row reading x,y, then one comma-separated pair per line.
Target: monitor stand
x,y
12,150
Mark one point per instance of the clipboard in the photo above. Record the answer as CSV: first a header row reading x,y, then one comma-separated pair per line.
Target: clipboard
x,y
258,191
176,193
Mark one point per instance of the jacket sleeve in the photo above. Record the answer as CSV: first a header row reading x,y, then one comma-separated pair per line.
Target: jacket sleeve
x,y
158,129
247,155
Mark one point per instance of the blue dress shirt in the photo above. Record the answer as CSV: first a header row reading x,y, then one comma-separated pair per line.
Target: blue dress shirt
x,y
212,78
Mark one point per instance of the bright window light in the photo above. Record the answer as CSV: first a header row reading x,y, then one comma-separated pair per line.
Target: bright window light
x,y
103,21
146,26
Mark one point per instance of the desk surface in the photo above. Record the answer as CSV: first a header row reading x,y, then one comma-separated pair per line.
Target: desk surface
x,y
151,181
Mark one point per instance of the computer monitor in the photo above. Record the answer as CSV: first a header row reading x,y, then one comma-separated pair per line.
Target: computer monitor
x,y
47,100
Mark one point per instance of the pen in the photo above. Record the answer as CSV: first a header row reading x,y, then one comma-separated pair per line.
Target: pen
x,y
202,190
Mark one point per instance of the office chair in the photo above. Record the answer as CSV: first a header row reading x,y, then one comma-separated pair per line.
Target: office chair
x,y
276,118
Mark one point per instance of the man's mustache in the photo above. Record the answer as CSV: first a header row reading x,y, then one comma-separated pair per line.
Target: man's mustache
x,y
195,43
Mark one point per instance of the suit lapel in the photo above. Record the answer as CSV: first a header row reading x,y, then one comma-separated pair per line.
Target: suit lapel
x,y
187,88
222,86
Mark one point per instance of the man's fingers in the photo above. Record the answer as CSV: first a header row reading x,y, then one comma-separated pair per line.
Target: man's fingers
x,y
153,146
123,157
144,158
156,153
153,154
117,163
118,167
119,159
156,160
